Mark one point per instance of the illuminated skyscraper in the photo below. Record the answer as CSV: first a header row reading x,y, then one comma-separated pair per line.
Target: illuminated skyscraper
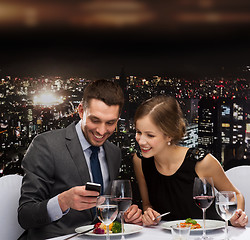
x,y
232,122
221,122
207,131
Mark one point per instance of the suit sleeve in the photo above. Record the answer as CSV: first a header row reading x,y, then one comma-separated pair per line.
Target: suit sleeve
x,y
36,187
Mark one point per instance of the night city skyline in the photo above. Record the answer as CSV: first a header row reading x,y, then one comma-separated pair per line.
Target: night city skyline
x,y
207,104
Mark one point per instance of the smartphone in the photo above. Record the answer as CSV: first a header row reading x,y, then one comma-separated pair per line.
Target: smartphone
x,y
93,187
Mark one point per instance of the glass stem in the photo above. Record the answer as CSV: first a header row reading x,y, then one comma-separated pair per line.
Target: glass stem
x,y
226,230
204,227
107,230
122,223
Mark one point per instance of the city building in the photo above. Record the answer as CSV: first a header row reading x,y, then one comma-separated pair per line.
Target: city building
x,y
222,121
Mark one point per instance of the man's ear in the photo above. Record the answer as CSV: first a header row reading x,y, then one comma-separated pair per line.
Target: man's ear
x,y
80,110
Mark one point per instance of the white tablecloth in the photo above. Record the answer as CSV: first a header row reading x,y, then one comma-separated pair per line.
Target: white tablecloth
x,y
157,233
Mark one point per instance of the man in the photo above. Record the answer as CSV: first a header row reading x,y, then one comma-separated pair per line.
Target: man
x,y
57,166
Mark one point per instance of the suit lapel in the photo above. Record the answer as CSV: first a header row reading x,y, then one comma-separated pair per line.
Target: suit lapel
x,y
74,147
76,152
109,154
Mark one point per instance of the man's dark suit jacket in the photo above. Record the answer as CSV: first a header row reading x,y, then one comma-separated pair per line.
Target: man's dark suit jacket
x,y
55,163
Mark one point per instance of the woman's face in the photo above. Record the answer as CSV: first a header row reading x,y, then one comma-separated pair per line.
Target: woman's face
x,y
150,138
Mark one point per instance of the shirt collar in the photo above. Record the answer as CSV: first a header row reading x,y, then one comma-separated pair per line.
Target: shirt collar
x,y
85,144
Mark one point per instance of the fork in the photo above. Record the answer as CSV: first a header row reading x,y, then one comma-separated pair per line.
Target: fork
x,y
79,234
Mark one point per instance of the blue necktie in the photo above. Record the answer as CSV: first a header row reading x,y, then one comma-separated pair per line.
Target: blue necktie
x,y
95,166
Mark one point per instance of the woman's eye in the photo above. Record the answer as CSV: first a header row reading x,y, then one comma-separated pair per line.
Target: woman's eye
x,y
151,136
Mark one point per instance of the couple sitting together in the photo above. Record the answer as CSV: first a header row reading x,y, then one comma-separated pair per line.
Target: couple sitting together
x,y
57,167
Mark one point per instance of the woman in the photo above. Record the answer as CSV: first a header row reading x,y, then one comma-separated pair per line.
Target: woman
x,y
165,172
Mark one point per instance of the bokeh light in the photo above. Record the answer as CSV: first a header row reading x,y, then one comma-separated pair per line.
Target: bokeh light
x,y
47,99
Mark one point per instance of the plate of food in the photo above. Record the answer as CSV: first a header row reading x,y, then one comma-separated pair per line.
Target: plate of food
x,y
196,224
114,229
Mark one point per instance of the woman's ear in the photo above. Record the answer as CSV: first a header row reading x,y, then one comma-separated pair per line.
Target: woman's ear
x,y
168,140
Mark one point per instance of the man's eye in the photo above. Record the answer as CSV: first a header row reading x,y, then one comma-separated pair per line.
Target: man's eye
x,y
94,121
110,123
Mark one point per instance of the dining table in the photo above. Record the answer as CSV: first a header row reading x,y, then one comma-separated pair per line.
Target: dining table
x,y
160,233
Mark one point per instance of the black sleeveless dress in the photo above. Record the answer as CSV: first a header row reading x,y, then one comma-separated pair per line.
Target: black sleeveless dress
x,y
175,193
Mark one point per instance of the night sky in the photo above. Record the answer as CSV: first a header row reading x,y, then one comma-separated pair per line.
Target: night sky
x,y
162,46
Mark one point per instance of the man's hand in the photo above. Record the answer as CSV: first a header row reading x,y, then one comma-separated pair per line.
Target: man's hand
x,y
133,215
77,198
239,219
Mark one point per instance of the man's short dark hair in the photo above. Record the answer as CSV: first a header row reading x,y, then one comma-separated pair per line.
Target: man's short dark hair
x,y
105,90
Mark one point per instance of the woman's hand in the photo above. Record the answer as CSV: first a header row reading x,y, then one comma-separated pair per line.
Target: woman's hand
x,y
149,217
133,215
239,219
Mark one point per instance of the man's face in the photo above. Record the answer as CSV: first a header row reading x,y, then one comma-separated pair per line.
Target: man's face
x,y
98,121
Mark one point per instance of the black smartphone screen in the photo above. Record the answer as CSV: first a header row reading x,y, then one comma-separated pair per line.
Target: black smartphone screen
x,y
93,187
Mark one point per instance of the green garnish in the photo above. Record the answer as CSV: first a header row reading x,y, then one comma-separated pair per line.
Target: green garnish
x,y
117,227
190,220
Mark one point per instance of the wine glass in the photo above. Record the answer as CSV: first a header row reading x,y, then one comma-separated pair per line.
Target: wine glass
x,y
203,195
107,211
122,191
226,205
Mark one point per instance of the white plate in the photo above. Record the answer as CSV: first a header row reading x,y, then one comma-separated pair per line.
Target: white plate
x,y
128,229
210,224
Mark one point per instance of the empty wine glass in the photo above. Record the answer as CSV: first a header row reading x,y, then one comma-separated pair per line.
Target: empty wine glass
x,y
107,211
122,192
226,205
203,195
